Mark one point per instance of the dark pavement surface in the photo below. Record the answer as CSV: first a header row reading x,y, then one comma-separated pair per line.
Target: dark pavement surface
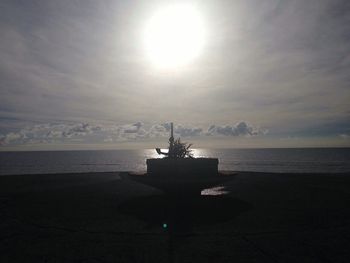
x,y
100,217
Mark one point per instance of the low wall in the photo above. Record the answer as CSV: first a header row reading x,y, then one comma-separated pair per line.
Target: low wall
x,y
182,167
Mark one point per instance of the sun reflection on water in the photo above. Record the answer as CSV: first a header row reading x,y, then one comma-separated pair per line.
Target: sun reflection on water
x,y
196,153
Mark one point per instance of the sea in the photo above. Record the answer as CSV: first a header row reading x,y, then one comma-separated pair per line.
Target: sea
x,y
292,160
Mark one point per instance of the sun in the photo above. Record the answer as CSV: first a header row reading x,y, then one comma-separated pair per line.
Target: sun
x,y
174,36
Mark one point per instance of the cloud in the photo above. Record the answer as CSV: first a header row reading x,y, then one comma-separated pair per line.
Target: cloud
x,y
187,131
80,129
48,132
270,62
13,137
159,130
163,130
69,132
133,128
179,130
106,133
345,136
239,129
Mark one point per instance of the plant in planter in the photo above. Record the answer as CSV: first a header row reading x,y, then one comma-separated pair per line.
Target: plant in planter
x,y
177,149
180,150
179,171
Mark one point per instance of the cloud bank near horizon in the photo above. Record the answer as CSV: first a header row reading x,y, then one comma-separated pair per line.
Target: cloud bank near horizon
x,y
106,133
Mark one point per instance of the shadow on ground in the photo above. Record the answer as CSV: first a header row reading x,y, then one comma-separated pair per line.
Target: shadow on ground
x,y
182,214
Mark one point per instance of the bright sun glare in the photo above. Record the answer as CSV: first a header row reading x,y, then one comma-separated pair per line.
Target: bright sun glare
x,y
174,36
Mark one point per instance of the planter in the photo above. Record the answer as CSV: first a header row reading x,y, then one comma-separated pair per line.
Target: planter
x,y
182,168
181,177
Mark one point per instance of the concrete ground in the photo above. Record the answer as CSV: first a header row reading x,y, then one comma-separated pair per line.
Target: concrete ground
x,y
100,217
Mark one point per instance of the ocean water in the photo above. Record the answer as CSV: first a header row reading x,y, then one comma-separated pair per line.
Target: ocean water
x,y
300,160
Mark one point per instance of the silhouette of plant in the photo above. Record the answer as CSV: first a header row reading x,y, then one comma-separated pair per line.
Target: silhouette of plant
x,y
180,150
177,149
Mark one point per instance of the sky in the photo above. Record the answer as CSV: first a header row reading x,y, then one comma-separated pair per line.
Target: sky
x,y
75,75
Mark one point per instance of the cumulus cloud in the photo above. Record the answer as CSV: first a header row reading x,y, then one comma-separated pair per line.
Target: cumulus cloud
x,y
68,132
159,130
132,128
80,129
13,137
187,132
239,129
345,136
106,133
162,130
